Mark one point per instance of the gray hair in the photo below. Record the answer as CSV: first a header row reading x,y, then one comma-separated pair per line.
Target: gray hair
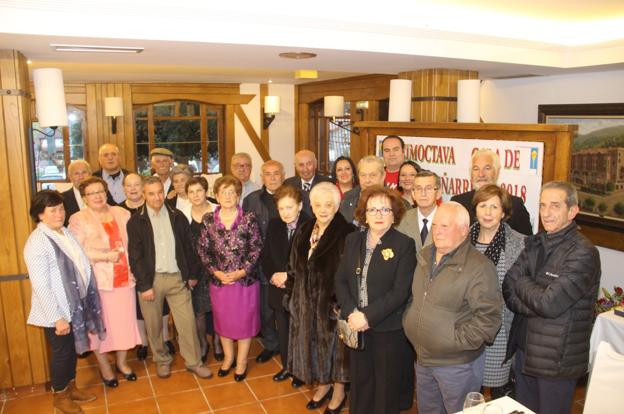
x,y
181,169
488,153
427,173
371,159
569,190
152,179
325,188
462,217
241,155
76,163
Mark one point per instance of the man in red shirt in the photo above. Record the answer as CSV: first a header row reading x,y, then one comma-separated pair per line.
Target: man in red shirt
x,y
393,150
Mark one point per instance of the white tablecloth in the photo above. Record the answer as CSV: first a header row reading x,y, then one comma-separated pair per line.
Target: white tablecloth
x,y
508,405
608,327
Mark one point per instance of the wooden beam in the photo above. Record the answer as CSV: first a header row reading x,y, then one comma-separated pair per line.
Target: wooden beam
x,y
255,139
229,139
220,99
264,133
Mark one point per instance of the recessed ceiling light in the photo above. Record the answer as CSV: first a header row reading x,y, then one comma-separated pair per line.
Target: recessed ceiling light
x,y
270,81
28,62
297,55
96,49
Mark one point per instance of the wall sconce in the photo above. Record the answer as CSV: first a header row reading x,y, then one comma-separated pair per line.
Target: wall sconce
x,y
113,107
271,107
50,98
333,107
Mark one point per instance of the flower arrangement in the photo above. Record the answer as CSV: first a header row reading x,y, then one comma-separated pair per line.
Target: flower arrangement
x,y
610,300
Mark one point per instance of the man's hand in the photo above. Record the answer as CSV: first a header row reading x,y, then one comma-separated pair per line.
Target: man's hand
x,y
62,327
148,295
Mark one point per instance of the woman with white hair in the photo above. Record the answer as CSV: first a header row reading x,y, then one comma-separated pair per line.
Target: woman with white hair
x,y
316,355
178,198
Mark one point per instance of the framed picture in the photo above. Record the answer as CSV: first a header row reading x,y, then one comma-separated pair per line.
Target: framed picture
x,y
597,168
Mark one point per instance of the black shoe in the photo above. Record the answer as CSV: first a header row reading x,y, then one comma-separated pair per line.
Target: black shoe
x,y
204,357
170,347
265,355
296,382
85,354
313,404
219,356
240,377
141,353
111,383
337,409
129,377
225,372
281,376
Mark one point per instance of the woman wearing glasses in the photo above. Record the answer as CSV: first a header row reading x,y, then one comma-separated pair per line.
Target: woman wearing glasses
x,y
101,231
372,286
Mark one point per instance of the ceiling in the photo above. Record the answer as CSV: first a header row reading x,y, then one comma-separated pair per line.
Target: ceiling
x,y
198,41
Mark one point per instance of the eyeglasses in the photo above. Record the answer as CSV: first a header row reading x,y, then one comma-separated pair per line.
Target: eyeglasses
x,y
374,211
426,189
95,193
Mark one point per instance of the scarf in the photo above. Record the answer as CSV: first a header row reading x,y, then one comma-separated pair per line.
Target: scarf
x,y
314,238
85,310
496,246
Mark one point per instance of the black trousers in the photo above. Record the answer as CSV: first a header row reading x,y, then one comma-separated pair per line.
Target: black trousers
x,y
62,359
282,318
269,338
377,373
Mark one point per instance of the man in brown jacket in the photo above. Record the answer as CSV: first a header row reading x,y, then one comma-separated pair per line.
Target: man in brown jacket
x,y
454,313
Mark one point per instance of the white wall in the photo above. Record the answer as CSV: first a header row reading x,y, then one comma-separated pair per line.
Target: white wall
x,y
516,101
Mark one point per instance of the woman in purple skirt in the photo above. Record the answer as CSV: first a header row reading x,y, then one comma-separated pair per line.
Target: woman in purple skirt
x,y
229,247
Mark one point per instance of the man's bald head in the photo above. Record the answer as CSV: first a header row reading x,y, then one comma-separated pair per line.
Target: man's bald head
x,y
305,164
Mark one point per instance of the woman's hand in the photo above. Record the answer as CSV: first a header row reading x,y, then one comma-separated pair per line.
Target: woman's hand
x,y
358,322
148,295
222,277
279,279
62,327
191,283
114,255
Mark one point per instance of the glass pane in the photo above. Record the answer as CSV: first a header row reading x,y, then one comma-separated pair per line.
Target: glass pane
x,y
338,142
213,157
189,109
213,130
142,159
140,112
77,125
48,154
167,131
186,154
164,109
140,131
76,152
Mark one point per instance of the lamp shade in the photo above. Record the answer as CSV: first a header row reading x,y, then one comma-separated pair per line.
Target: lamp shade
x,y
113,106
468,98
333,106
400,108
271,104
50,97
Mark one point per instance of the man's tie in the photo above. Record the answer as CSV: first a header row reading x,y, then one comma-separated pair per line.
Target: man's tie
x,y
424,232
114,176
306,186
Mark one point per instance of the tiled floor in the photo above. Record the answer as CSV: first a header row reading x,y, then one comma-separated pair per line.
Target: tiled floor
x,y
184,392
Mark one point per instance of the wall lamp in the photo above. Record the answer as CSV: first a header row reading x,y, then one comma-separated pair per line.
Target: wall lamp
x,y
271,107
113,107
333,107
50,99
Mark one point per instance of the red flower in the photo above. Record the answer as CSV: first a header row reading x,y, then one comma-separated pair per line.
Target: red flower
x,y
618,291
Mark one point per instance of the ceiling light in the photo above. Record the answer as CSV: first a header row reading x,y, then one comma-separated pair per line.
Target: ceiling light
x,y
306,74
28,62
297,55
96,49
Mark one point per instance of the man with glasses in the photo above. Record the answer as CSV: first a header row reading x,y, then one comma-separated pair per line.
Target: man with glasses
x,y
417,222
241,166
370,172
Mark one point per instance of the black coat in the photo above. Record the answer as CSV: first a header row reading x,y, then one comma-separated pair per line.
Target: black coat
x,y
275,254
142,253
71,204
316,353
553,287
388,280
262,204
296,180
520,219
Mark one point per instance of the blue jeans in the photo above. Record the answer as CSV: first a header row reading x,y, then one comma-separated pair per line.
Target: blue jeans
x,y
442,390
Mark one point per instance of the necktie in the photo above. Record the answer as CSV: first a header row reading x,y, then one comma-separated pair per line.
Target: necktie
x,y
424,232
114,176
306,186
291,231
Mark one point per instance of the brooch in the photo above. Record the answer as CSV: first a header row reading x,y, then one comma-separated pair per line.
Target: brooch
x,y
387,254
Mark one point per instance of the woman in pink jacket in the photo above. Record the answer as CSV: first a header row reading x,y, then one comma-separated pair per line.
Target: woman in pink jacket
x,y
101,230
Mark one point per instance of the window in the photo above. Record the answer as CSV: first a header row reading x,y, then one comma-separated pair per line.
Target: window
x,y
53,154
193,131
330,140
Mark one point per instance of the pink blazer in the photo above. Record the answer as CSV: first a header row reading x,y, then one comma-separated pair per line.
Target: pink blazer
x,y
88,229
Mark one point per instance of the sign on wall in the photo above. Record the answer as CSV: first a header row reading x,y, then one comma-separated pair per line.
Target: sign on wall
x,y
521,165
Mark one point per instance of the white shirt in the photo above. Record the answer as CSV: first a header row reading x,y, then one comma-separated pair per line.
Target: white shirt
x,y
184,206
248,188
115,186
81,203
429,219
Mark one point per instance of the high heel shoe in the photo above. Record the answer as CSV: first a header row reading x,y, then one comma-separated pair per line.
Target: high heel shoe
x,y
111,383
225,372
240,377
337,409
313,404
129,377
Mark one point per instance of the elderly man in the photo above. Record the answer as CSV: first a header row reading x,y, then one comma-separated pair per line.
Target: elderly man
x,y
454,313
393,151
417,222
241,166
552,288
161,161
484,169
165,266
78,171
111,171
307,176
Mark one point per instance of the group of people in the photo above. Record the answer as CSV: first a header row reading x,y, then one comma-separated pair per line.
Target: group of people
x,y
446,297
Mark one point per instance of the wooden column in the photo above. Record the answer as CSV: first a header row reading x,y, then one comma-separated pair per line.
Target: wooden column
x,y
434,93
22,347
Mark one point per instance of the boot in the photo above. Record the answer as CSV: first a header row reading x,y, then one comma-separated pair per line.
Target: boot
x,y
80,396
64,403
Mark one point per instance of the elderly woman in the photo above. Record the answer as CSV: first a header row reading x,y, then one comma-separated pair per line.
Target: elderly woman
x,y
101,231
343,174
177,198
493,237
274,261
372,286
316,354
64,298
407,176
229,247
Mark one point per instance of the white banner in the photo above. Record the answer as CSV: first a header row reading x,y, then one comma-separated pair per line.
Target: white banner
x,y
521,165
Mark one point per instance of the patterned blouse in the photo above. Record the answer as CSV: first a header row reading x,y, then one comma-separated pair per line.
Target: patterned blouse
x,y
229,250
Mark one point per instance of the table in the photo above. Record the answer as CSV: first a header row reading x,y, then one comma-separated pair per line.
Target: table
x,y
608,327
508,405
